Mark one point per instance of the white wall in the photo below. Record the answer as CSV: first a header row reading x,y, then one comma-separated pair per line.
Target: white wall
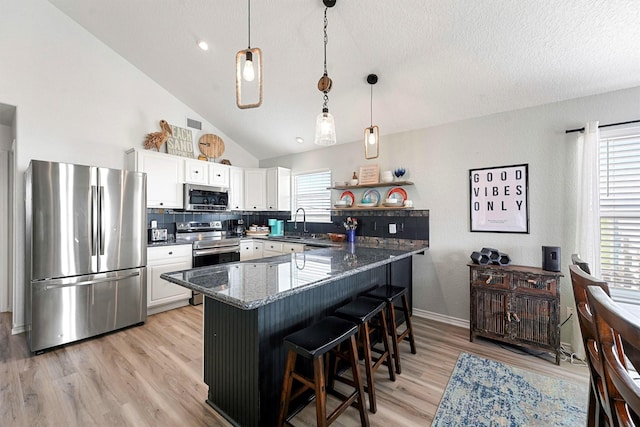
x,y
438,160
77,101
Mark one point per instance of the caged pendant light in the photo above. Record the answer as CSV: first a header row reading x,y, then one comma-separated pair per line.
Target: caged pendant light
x,y
371,138
325,126
249,73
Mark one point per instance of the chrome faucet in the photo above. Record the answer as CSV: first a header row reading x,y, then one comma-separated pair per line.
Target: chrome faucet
x,y
304,220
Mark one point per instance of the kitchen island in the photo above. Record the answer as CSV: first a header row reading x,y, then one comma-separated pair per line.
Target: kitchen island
x,y
251,306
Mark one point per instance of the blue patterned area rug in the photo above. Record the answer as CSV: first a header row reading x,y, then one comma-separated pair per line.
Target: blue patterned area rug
x,y
483,392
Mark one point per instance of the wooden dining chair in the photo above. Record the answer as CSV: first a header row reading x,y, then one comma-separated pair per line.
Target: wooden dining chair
x,y
599,409
584,266
618,334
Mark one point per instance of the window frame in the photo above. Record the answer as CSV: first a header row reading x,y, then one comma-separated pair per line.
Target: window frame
x,y
317,214
618,291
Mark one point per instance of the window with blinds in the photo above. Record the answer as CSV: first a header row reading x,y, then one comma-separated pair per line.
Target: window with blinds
x,y
310,192
620,209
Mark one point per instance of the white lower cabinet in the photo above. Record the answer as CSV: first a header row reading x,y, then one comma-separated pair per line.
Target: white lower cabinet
x,y
163,295
254,248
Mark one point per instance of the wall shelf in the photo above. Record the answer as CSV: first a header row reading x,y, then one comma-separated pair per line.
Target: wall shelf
x,y
372,208
380,184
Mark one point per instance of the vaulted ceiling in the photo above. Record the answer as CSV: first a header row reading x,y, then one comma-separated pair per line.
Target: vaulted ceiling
x,y
438,61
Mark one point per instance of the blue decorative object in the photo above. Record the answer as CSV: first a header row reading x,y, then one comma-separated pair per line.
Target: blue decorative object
x,y
351,236
483,392
399,172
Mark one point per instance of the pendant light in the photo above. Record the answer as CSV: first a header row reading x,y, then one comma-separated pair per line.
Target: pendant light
x,y
249,73
371,138
325,126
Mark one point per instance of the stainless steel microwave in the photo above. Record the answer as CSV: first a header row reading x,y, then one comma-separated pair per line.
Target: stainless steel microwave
x,y
202,198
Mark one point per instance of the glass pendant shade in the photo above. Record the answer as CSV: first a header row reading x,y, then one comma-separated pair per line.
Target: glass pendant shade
x,y
325,129
249,78
371,140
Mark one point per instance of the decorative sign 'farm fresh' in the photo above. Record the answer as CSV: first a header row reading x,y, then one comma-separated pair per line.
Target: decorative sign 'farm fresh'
x,y
499,199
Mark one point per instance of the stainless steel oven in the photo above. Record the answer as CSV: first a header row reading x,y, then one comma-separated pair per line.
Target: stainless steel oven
x,y
210,246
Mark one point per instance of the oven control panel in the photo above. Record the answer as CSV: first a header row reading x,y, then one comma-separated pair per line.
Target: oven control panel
x,y
198,226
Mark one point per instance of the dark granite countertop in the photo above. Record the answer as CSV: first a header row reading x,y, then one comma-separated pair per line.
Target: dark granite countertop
x,y
251,284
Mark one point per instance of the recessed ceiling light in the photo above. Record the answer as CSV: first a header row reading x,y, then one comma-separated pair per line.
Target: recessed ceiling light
x,y
203,45
299,140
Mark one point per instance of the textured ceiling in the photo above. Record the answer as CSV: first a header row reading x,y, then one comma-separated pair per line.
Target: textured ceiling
x,y
438,61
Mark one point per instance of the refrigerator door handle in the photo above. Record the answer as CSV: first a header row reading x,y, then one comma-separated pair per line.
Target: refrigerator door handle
x,y
102,226
94,220
62,283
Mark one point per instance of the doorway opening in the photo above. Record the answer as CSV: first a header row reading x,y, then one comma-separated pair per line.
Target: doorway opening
x,y
7,204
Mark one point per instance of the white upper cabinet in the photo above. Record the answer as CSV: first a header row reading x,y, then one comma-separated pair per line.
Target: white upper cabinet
x,y
196,172
219,175
278,189
255,189
165,177
236,188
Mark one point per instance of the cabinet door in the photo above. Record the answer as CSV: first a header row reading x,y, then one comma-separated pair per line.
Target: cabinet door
x,y
236,188
488,311
196,172
279,189
161,260
164,179
255,189
534,320
218,175
162,291
246,250
257,249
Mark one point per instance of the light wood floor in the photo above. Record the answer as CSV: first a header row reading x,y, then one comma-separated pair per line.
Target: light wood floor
x,y
152,376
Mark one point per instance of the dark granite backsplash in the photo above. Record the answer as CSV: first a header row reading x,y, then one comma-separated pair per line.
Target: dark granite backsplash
x,y
410,224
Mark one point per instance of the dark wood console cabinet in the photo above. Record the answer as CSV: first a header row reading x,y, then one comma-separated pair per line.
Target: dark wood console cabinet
x,y
516,304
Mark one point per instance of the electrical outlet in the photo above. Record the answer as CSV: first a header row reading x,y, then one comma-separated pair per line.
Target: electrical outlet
x,y
569,311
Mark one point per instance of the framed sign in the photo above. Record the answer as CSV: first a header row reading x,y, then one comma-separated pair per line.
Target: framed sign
x,y
369,174
499,199
180,143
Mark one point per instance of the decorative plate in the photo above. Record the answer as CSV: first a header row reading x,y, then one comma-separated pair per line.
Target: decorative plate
x,y
397,193
349,197
367,205
371,196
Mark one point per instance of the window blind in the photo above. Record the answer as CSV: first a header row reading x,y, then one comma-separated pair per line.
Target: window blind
x,y
620,211
310,192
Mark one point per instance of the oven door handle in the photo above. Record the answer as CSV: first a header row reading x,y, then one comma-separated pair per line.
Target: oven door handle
x,y
213,251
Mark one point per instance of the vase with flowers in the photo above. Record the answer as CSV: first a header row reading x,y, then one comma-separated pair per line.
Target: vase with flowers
x,y
350,224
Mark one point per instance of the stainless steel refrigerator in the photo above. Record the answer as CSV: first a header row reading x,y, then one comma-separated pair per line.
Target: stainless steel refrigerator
x,y
86,252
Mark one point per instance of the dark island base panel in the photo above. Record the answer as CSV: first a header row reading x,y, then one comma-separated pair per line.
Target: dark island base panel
x,y
243,350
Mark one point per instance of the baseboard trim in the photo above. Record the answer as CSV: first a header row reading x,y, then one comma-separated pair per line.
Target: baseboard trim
x,y
450,320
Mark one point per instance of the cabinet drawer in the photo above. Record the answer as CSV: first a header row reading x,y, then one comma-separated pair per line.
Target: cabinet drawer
x,y
168,252
292,247
488,277
534,283
273,246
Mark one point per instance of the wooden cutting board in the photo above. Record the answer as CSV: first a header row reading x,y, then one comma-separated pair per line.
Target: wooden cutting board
x,y
211,145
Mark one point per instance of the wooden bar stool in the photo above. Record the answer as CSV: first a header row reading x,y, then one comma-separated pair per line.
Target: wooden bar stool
x,y
363,311
314,342
391,294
